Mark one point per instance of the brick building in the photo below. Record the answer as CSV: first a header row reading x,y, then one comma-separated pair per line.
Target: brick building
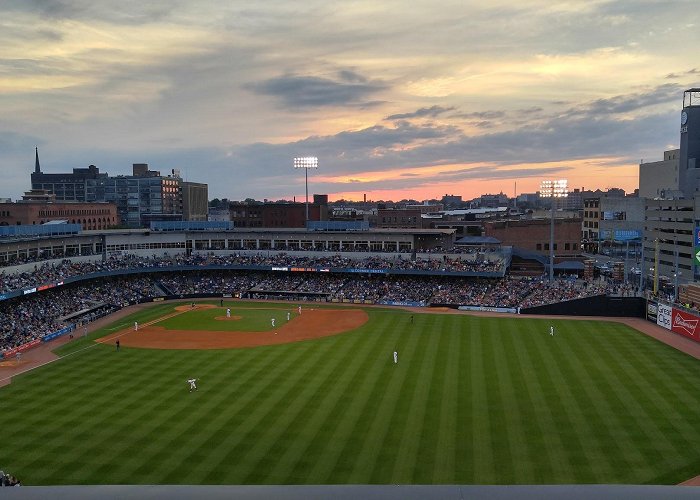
x,y
534,235
88,215
399,218
278,215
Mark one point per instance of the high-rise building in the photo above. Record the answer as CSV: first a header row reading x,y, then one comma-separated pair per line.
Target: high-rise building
x,y
195,200
83,184
140,198
689,160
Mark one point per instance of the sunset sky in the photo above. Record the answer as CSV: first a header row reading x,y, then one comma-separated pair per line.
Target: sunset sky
x,y
397,99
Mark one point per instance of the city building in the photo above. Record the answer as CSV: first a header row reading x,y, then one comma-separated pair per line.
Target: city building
x,y
672,207
195,201
612,224
399,218
140,198
34,211
277,215
83,184
534,235
451,201
659,177
493,200
145,196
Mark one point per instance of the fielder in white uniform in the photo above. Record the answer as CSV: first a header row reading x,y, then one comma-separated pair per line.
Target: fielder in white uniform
x,y
228,313
272,320
396,357
193,386
551,330
289,315
299,309
136,326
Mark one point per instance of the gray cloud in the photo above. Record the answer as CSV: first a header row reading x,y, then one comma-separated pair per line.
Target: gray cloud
x,y
431,112
662,94
481,115
298,91
129,12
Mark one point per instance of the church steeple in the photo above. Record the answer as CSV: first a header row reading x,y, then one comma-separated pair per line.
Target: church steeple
x,y
37,167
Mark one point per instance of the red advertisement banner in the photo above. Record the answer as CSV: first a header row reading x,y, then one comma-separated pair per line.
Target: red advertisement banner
x,y
685,324
22,348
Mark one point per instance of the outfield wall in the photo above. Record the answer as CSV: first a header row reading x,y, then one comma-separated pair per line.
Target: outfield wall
x,y
678,320
599,305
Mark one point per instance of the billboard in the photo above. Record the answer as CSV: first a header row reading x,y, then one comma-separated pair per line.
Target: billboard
x,y
652,310
663,315
685,324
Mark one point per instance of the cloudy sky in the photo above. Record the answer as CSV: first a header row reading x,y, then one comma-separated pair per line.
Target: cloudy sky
x,y
397,99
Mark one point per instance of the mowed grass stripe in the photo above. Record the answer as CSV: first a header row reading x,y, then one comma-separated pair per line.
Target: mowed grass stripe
x,y
590,459
381,382
634,425
500,436
246,365
549,460
220,394
508,378
446,400
605,407
259,403
100,417
333,444
414,411
291,425
675,391
389,389
482,454
311,429
563,403
650,417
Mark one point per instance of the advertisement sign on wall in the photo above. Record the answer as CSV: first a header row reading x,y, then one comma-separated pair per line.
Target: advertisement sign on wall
x,y
663,316
652,310
685,324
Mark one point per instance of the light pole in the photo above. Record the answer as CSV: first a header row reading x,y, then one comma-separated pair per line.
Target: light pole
x,y
676,272
553,189
306,162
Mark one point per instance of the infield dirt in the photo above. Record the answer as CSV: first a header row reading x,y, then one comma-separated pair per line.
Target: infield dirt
x,y
311,324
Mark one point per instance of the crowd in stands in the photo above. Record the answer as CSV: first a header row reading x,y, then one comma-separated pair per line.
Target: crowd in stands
x,y
32,316
47,273
25,319
8,480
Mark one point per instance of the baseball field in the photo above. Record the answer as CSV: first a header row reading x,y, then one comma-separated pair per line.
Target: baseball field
x,y
318,399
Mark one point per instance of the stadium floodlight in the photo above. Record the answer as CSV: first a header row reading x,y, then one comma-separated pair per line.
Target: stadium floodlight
x,y
306,162
553,189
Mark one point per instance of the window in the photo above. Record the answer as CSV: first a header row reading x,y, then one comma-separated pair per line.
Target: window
x,y
539,246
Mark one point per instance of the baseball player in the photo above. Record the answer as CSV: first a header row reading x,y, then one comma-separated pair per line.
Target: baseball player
x,y
551,330
289,315
272,320
228,312
396,357
136,326
193,385
299,309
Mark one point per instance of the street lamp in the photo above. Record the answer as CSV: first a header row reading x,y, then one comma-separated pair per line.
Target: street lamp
x,y
306,162
553,189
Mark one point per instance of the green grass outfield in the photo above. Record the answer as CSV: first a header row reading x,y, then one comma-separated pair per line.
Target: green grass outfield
x,y
472,400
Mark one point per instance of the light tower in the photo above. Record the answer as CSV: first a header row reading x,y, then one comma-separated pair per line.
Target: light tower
x,y
553,189
306,162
